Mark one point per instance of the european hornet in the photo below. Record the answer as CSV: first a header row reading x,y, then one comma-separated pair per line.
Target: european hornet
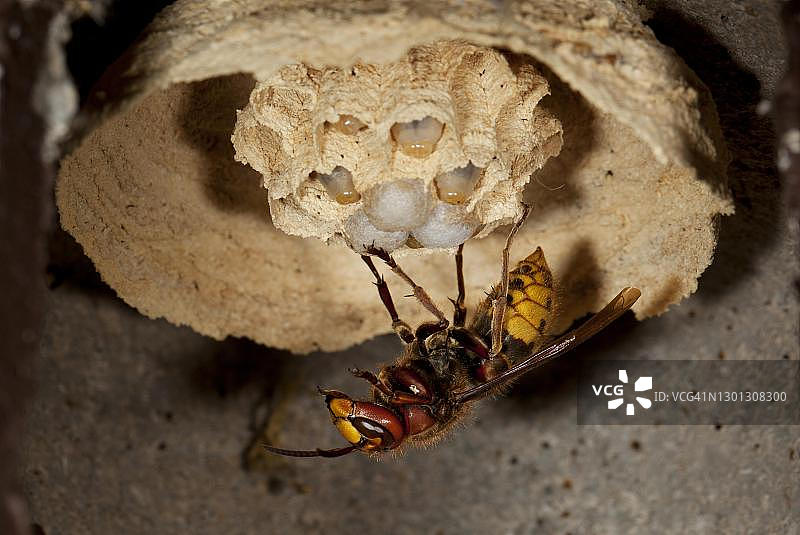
x,y
445,367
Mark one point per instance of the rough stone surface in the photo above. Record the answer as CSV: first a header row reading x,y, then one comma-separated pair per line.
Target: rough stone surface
x,y
141,426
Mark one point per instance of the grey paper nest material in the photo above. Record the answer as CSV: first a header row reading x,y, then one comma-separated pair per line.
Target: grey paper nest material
x,y
181,230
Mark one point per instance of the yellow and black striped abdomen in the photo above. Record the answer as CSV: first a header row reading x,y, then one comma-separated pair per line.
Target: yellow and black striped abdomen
x,y
531,301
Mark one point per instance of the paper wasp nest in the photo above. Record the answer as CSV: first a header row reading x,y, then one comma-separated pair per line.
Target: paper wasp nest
x,y
415,125
428,148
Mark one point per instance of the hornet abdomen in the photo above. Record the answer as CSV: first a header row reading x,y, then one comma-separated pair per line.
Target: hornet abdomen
x,y
531,300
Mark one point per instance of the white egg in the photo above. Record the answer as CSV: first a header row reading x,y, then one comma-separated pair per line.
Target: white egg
x,y
361,234
449,225
398,205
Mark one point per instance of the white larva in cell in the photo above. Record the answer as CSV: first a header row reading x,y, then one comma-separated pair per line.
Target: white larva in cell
x,y
339,184
449,225
348,124
398,205
456,186
418,138
360,233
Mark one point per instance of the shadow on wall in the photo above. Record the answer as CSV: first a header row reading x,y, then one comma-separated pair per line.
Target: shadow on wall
x,y
241,367
753,178
69,267
549,188
207,115
578,282
553,386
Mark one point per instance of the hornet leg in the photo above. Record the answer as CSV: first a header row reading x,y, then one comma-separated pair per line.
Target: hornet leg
x,y
419,292
499,303
373,380
400,327
460,314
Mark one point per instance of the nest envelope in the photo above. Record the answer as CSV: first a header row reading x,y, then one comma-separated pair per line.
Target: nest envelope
x,y
181,230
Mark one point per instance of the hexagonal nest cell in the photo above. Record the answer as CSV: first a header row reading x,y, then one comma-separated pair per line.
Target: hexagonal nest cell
x,y
427,150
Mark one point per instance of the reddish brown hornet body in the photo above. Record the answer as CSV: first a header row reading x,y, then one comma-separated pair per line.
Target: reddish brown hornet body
x,y
446,367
